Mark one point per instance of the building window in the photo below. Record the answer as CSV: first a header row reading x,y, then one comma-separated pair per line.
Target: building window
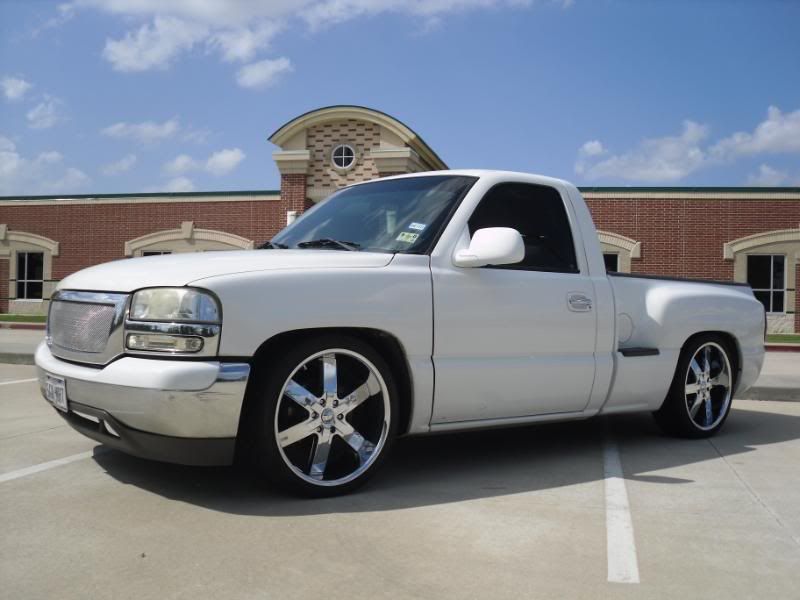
x,y
766,274
30,275
155,252
343,156
612,261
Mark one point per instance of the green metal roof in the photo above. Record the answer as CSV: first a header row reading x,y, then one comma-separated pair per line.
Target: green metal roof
x,y
176,195
733,189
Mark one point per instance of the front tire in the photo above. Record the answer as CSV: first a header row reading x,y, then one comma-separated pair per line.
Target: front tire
x,y
699,399
325,416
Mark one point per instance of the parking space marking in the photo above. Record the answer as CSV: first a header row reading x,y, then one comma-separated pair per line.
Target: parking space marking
x,y
51,464
18,381
623,566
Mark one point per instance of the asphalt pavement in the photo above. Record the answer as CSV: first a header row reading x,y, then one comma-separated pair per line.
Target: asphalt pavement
x,y
604,508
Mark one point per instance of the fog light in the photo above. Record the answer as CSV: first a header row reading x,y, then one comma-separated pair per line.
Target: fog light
x,y
164,343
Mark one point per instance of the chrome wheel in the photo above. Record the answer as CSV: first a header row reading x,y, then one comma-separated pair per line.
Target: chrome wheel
x,y
708,386
333,417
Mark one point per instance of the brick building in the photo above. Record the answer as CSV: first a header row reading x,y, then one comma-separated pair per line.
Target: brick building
x,y
741,234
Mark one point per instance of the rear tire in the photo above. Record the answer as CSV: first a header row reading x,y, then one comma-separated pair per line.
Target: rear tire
x,y
325,416
699,399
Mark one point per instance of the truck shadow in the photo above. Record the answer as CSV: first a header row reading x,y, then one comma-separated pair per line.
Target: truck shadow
x,y
450,468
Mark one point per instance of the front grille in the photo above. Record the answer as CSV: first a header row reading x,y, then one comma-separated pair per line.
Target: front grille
x,y
81,327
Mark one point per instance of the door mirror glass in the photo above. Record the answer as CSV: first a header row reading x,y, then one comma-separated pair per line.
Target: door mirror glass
x,y
492,246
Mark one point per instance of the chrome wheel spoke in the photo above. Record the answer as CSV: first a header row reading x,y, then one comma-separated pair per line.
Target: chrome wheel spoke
x,y
707,361
329,374
362,446
295,433
696,368
721,379
692,388
299,394
698,402
321,452
366,390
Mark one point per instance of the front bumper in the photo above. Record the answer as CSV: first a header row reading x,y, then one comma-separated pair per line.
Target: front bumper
x,y
173,410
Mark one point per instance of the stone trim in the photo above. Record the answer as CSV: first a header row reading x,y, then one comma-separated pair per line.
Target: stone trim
x,y
627,244
23,237
187,232
396,160
292,162
730,249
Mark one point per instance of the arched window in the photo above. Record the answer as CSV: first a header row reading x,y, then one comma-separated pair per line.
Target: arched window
x,y
618,251
186,238
26,264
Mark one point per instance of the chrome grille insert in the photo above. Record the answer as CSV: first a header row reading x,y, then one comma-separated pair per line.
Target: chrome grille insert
x,y
81,327
86,326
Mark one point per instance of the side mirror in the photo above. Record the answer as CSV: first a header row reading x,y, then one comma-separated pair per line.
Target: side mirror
x,y
492,246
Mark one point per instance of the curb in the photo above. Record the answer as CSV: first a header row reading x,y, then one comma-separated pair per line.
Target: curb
x,y
774,394
16,359
782,347
12,325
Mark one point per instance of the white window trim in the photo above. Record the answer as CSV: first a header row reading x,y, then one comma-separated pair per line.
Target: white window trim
x,y
27,281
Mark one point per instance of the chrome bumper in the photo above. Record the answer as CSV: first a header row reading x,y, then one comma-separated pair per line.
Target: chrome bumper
x,y
173,398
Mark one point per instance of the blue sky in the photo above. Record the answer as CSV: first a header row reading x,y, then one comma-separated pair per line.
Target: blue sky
x,y
100,96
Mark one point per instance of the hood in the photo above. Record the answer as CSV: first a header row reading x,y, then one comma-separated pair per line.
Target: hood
x,y
182,269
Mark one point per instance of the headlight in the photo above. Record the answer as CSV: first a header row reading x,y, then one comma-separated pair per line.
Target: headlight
x,y
174,304
173,320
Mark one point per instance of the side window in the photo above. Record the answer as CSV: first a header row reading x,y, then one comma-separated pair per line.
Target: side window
x,y
538,213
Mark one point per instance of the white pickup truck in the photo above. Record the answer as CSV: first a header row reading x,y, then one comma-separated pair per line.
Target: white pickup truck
x,y
408,305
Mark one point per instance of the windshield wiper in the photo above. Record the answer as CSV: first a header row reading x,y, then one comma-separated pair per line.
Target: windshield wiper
x,y
328,242
269,245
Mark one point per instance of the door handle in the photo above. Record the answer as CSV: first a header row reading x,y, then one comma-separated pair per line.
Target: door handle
x,y
579,302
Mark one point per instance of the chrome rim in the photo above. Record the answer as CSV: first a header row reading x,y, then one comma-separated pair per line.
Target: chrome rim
x,y
708,386
333,417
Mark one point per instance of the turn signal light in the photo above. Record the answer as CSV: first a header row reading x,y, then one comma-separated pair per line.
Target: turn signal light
x,y
164,343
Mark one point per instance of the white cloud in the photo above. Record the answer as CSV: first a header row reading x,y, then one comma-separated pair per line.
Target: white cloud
x,y
769,177
44,174
242,43
145,132
668,158
183,163
179,184
779,133
124,164
263,73
14,88
672,158
592,148
153,46
224,161
45,114
219,163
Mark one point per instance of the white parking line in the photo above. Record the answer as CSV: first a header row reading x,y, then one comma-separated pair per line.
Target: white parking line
x,y
48,465
18,381
623,566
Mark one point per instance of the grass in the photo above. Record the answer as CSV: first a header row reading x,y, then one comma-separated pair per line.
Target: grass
x,y
23,318
783,338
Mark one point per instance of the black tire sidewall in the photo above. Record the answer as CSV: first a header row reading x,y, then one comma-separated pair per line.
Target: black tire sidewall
x,y
267,457
674,416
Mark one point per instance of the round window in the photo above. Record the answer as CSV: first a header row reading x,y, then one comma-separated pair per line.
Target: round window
x,y
343,156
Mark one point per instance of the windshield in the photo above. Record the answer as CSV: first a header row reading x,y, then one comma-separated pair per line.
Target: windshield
x,y
397,215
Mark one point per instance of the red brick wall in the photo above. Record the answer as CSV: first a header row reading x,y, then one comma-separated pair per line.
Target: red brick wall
x,y
90,234
293,194
797,299
684,238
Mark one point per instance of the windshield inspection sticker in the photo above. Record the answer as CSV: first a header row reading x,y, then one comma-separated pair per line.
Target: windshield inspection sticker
x,y
408,238
417,226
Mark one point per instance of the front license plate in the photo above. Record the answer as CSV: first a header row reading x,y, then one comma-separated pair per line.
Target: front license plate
x,y
55,390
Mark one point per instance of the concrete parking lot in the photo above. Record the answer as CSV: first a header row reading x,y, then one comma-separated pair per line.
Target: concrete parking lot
x,y
555,511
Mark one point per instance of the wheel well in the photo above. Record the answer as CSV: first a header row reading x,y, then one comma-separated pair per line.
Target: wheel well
x,y
387,345
733,346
